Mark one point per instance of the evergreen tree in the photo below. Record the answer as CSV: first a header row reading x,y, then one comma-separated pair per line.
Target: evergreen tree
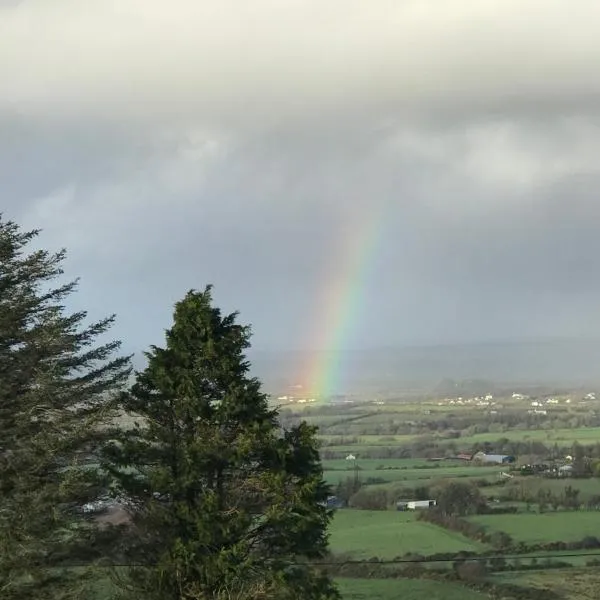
x,y
55,389
229,505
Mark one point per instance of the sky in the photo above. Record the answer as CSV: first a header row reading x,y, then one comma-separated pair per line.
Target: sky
x,y
168,145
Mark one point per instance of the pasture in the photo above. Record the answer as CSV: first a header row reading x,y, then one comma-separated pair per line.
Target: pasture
x,y
404,589
582,435
341,464
370,442
571,584
547,527
388,534
413,477
531,485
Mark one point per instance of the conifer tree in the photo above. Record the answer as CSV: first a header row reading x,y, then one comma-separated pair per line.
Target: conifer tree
x,y
55,394
229,505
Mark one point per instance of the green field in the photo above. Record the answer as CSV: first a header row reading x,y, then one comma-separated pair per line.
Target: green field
x,y
420,476
357,449
531,485
547,527
571,584
404,589
583,435
387,534
413,483
370,439
372,464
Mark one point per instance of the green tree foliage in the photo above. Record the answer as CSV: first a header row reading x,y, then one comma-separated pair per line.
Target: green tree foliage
x,y
581,463
571,498
348,487
55,386
370,499
229,505
459,499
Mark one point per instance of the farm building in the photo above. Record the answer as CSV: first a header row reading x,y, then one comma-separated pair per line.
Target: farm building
x,y
464,456
415,504
495,459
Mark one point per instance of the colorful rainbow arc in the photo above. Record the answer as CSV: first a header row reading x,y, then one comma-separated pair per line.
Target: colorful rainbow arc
x,y
342,302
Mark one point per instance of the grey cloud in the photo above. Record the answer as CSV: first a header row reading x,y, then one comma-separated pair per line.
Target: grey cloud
x,y
172,145
263,217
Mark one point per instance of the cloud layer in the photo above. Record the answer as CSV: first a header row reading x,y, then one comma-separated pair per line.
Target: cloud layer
x,y
231,62
168,145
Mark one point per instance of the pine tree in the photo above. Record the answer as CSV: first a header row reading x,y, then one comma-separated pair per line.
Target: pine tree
x,y
229,505
55,392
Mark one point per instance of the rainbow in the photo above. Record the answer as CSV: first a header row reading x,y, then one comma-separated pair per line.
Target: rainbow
x,y
341,304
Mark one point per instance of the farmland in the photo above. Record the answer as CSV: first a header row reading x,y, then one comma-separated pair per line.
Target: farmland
x,y
369,443
547,527
541,540
387,534
375,456
411,474
405,589
574,584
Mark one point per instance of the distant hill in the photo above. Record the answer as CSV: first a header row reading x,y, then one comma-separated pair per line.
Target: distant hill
x,y
431,368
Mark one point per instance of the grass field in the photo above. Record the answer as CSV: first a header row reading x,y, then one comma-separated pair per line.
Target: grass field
x,y
583,435
571,584
574,557
370,439
547,527
387,534
531,485
373,463
413,483
404,589
413,475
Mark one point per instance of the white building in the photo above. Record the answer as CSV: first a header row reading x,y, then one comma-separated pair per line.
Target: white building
x,y
417,504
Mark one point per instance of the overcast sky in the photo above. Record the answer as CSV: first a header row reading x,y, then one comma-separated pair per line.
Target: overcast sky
x,y
173,144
